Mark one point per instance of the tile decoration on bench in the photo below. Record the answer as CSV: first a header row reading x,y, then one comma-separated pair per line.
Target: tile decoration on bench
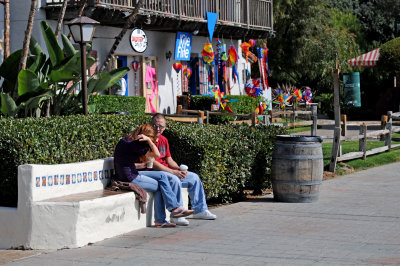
x,y
48,181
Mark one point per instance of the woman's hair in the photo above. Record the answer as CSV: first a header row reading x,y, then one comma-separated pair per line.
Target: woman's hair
x,y
145,129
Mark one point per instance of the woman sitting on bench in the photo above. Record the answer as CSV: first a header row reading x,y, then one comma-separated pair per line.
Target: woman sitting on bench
x,y
129,150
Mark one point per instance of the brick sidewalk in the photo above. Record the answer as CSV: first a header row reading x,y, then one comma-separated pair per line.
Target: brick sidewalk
x,y
356,221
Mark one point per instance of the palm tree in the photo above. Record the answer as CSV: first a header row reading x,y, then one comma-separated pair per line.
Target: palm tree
x,y
28,33
61,18
27,39
6,28
118,39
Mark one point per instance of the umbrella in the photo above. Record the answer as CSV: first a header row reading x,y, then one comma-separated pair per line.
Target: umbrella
x,y
365,60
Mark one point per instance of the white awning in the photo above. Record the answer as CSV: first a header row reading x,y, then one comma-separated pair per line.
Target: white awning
x,y
365,60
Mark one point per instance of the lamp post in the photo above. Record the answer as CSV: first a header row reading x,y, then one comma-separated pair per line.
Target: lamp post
x,y
82,30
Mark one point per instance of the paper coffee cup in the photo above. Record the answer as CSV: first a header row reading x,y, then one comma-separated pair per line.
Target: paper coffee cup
x,y
183,167
150,163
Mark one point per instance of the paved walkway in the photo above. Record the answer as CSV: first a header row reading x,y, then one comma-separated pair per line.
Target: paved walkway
x,y
356,221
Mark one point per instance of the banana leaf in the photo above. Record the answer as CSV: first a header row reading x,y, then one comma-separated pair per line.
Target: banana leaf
x,y
27,82
55,52
106,80
71,69
8,106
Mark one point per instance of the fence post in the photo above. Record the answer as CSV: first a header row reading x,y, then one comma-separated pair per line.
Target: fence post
x,y
336,131
314,117
253,118
293,115
179,109
363,141
266,120
384,120
388,139
343,119
201,115
208,116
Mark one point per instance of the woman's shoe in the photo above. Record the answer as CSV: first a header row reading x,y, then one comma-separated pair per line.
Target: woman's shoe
x,y
164,225
181,212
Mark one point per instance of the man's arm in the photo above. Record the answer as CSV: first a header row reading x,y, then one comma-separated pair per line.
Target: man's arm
x,y
171,163
160,167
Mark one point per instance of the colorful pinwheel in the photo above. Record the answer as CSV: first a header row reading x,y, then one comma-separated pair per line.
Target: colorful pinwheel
x,y
253,88
297,95
187,72
307,95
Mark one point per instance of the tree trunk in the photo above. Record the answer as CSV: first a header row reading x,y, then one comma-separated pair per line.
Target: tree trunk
x,y
61,18
28,33
6,28
27,40
118,39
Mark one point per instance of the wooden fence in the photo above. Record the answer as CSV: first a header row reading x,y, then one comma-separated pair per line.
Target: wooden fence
x,y
186,115
384,134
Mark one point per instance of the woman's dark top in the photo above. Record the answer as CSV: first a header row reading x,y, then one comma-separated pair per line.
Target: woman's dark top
x,y
126,154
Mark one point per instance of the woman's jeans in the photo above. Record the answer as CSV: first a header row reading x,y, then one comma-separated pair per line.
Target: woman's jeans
x,y
158,183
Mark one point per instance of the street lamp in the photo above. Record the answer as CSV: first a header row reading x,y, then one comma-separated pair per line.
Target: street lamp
x,y
82,30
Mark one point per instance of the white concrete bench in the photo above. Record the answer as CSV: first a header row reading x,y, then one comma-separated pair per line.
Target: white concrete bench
x,y
66,206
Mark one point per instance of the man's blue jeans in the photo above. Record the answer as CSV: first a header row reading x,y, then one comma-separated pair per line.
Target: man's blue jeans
x,y
192,182
164,195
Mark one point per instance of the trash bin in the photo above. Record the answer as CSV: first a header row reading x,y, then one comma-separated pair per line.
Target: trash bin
x,y
297,168
351,90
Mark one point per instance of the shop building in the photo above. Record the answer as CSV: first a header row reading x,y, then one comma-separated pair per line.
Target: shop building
x,y
152,39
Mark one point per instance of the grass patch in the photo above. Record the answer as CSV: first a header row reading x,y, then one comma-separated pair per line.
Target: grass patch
x,y
298,129
359,164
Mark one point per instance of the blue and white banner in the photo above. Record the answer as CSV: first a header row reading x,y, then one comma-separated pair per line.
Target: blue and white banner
x,y
183,46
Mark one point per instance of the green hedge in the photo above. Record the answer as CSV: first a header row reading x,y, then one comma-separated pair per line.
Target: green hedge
x,y
116,103
227,158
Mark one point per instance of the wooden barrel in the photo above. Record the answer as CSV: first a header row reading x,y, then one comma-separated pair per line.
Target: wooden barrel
x,y
297,168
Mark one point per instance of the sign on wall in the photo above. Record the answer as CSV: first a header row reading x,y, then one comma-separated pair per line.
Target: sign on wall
x,y
138,40
183,46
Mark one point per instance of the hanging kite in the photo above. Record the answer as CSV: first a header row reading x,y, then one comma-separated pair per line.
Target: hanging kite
x,y
266,73
245,50
208,53
233,60
252,42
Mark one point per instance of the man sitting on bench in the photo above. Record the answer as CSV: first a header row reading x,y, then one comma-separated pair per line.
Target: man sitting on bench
x,y
188,179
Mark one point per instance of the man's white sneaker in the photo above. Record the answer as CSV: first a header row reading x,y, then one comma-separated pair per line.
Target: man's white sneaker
x,y
180,221
205,215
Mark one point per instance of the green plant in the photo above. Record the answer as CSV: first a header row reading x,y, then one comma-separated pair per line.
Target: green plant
x,y
116,103
390,56
242,104
52,78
